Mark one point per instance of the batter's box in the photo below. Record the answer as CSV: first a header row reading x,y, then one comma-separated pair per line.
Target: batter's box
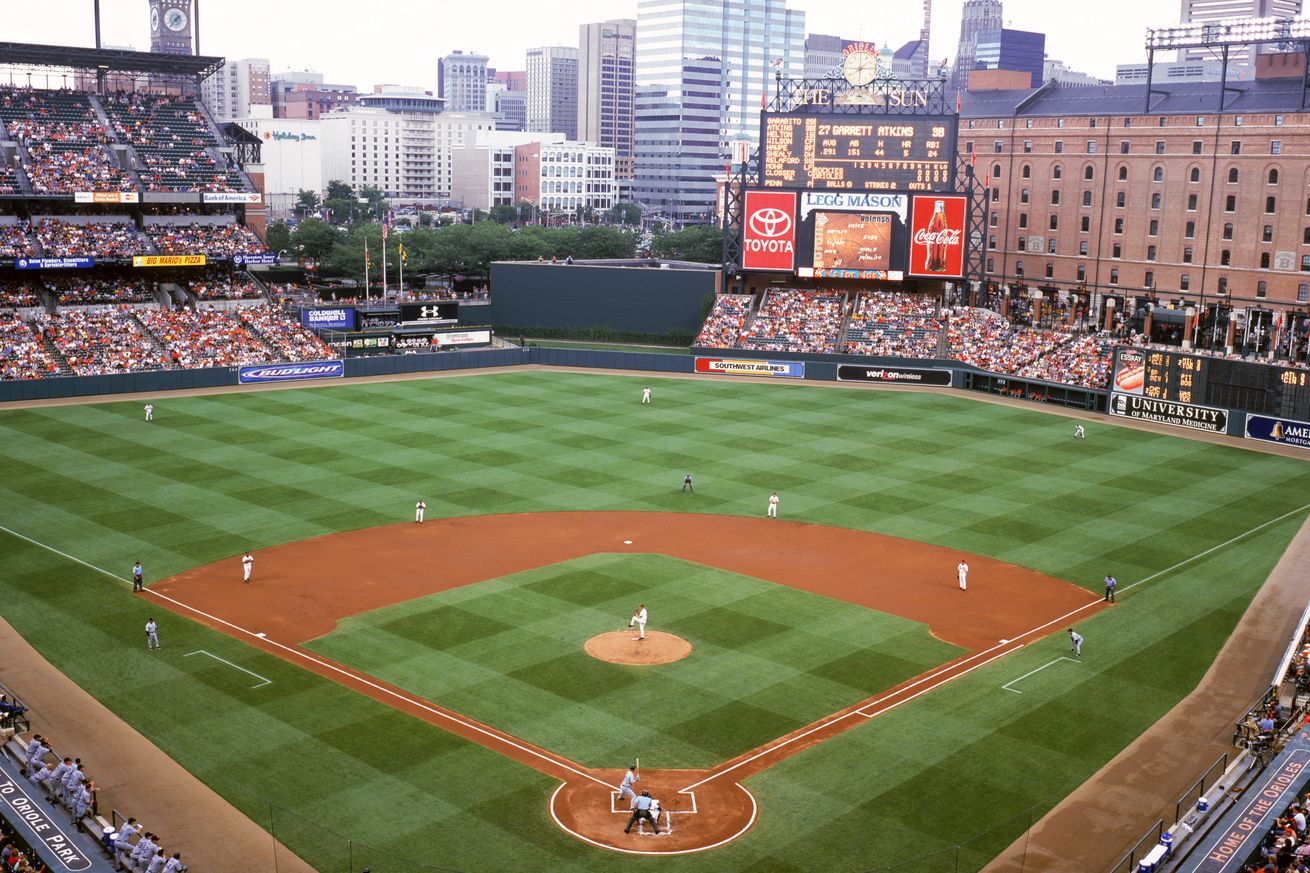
x,y
664,816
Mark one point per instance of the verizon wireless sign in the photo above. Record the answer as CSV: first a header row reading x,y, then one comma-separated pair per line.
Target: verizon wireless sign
x,y
768,236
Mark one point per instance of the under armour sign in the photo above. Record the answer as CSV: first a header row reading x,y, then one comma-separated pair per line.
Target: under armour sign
x,y
768,240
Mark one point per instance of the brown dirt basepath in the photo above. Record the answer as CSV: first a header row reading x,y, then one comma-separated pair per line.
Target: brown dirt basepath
x,y
1094,826
134,776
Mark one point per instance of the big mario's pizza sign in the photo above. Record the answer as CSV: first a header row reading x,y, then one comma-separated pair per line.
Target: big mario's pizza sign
x,y
769,231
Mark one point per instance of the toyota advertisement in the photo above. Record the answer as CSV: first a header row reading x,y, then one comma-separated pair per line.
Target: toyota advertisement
x,y
937,236
769,231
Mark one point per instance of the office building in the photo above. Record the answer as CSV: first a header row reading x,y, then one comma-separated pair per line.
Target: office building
x,y
605,88
564,179
823,55
483,167
1206,11
292,155
1016,51
552,88
978,17
748,36
678,145
1054,70
240,89
1091,192
462,81
1181,71
303,94
910,61
511,110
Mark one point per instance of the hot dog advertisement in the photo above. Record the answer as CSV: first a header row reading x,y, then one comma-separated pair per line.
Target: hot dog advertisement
x,y
1130,372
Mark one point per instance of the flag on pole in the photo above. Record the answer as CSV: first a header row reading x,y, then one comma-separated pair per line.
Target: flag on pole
x,y
958,104
384,231
368,261
403,258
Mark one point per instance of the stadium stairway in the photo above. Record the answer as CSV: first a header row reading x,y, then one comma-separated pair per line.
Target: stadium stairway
x,y
155,342
260,284
53,351
10,156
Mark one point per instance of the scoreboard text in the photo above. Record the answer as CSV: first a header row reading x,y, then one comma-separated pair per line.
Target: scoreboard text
x,y
856,153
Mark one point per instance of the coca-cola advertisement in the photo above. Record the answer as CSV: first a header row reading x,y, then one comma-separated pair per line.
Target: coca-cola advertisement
x,y
769,231
937,227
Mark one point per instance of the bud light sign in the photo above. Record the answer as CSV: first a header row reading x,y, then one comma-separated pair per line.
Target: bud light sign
x,y
291,372
768,236
937,236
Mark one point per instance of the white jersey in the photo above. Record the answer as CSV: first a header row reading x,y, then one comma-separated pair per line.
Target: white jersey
x,y
641,616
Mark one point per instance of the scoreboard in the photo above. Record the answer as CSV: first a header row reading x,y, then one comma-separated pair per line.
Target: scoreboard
x,y
856,153
1180,377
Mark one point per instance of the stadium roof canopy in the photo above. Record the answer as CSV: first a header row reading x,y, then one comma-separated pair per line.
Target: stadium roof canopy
x,y
22,54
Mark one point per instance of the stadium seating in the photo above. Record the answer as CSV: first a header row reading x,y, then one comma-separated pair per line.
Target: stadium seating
x,y
15,293
796,321
893,324
172,141
214,240
217,285
205,338
22,356
291,341
83,288
62,239
16,241
94,343
9,180
62,141
722,329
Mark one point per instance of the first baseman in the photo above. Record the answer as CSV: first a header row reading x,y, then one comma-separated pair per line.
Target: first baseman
x,y
247,566
625,787
639,619
962,572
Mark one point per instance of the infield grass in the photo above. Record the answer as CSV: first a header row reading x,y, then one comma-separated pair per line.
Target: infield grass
x,y
766,659
217,474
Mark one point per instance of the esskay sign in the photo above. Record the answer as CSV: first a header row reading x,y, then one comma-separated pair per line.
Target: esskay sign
x,y
923,376
739,367
291,372
55,847
937,236
768,231
1187,415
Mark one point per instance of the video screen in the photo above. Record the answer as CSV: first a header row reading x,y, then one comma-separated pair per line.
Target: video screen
x,y
852,241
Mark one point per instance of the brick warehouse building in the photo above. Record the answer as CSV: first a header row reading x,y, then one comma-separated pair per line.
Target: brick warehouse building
x,y
1090,192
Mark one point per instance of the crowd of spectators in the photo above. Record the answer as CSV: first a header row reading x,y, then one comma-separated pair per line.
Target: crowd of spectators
x,y
8,180
722,329
96,343
1285,849
21,354
16,241
63,239
172,140
81,289
64,142
214,240
893,324
1082,359
205,338
288,338
17,293
796,321
12,859
226,286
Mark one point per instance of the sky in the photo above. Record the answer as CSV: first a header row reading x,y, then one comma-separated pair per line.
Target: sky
x,y
400,41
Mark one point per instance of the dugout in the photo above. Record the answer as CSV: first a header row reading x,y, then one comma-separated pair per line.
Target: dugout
x,y
627,296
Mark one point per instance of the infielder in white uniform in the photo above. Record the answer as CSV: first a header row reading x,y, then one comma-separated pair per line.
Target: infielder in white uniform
x,y
962,571
639,619
152,634
150,412
247,566
418,511
1079,433
625,787
773,505
645,395
1075,643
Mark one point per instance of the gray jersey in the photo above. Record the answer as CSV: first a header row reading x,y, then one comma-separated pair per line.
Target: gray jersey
x,y
143,850
57,775
173,866
157,863
73,778
125,834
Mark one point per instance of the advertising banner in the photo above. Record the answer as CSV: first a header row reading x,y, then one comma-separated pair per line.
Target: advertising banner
x,y
291,372
937,236
372,342
930,377
106,197
374,319
769,231
53,263
249,198
1187,415
42,832
256,258
452,338
854,201
728,367
1278,430
340,318
169,261
407,342
1130,371
429,313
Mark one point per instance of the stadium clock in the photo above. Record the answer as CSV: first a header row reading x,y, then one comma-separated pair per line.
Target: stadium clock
x,y
154,20
175,20
860,67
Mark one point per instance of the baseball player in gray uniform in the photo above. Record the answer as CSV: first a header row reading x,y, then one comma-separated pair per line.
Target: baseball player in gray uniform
x,y
82,800
42,775
35,754
175,864
56,780
625,787
157,862
143,852
123,842
73,780
152,634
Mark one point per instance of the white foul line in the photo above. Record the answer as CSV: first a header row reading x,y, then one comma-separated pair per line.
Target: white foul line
x,y
1007,685
62,554
266,680
892,706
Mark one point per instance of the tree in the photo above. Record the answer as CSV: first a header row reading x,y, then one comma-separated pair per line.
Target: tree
x,y
375,209
278,236
624,213
318,237
504,214
340,202
605,242
701,243
307,203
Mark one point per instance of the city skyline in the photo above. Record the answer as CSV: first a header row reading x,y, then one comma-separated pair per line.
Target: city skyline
x,y
410,38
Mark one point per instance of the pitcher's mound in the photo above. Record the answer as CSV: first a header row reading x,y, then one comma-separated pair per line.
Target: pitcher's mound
x,y
622,647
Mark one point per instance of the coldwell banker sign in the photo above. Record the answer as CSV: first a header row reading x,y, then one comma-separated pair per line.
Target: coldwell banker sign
x,y
937,236
768,237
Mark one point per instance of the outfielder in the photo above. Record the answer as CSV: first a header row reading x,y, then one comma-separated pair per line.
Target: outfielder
x,y
1079,433
247,566
150,412
773,505
152,634
645,395
419,508
625,787
639,619
962,572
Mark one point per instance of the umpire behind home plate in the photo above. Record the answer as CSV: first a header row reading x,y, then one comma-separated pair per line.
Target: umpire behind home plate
x,y
642,810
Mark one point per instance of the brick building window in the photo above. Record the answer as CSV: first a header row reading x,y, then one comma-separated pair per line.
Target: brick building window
x,y
1305,237
1150,253
1120,199
1228,231
1118,225
1023,195
1302,291
1123,174
1235,147
1195,175
1264,260
1149,281
1023,219
991,242
1196,146
997,146
1055,222
1025,172
1155,200
1114,277
993,220
996,171
1189,230
1232,175
1082,248
1123,147
1223,284
991,265
1055,197
1276,147
1191,202
1153,229
1157,175
1117,251
1273,176
1262,288
1050,246
1184,282
1082,273
1089,173
1059,146
1027,147
1018,268
1050,270
1159,146
1057,172
1230,203
1270,204
1021,244
1267,235
1091,147
1087,198
1086,223
1305,263
1187,254
1225,257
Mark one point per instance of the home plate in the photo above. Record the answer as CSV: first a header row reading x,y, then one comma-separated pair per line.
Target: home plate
x,y
627,542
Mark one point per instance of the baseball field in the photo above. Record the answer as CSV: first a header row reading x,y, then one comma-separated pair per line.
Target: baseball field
x,y
423,691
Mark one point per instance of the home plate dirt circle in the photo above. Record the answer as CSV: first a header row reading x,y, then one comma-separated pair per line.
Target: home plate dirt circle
x,y
621,647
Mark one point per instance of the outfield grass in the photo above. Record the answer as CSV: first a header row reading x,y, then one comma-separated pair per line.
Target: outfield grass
x,y
767,659
214,475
